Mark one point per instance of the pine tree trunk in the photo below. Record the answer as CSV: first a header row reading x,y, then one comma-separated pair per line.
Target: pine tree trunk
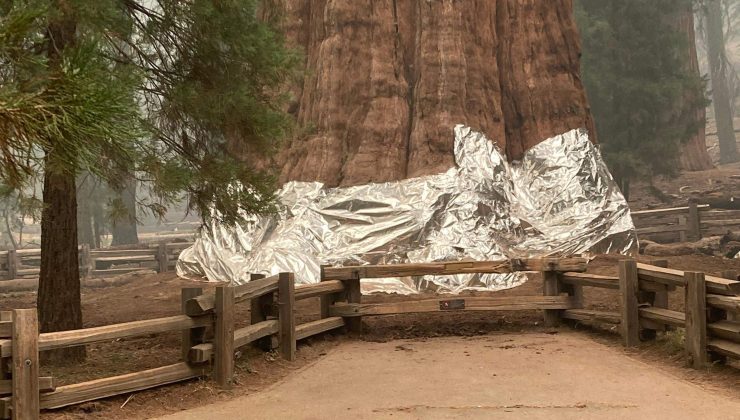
x,y
720,88
59,302
124,228
387,81
694,155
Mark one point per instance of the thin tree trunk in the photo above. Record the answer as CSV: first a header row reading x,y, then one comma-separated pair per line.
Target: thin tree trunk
x,y
124,229
59,304
720,90
694,154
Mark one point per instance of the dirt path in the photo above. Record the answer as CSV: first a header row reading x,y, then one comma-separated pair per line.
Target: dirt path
x,y
533,375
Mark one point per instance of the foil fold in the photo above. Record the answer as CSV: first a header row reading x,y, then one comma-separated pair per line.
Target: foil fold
x,y
559,200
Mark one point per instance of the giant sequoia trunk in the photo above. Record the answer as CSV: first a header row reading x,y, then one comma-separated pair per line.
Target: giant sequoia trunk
x,y
694,155
387,80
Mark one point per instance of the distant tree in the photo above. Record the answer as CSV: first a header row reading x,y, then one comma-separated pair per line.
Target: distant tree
x,y
635,78
721,72
151,88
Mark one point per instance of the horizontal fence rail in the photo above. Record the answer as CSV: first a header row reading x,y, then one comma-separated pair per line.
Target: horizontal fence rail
x,y
19,269
711,321
681,224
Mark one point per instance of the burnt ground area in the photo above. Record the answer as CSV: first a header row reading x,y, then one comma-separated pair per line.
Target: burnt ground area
x,y
158,295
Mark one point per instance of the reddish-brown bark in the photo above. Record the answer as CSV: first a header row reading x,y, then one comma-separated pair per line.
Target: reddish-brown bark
x,y
387,80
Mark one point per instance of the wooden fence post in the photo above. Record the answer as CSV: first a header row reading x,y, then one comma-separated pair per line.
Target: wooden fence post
x,y
192,336
628,288
260,308
163,257
551,287
223,340
696,318
286,317
694,221
25,346
325,301
731,275
12,264
353,292
85,268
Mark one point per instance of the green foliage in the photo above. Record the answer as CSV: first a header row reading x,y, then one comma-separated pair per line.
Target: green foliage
x,y
643,96
165,90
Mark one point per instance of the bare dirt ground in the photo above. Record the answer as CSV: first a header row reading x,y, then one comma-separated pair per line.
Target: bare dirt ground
x,y
501,375
158,295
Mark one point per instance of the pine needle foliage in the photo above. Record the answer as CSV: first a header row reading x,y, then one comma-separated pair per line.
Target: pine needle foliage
x,y
638,84
161,88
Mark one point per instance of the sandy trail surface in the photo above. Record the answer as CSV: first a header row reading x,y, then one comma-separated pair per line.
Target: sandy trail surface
x,y
528,375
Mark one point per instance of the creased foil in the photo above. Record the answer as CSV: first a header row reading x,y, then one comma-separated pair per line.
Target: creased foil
x,y
559,200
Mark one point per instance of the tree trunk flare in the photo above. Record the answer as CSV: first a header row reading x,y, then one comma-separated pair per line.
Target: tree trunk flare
x,y
59,303
387,81
720,89
124,228
694,155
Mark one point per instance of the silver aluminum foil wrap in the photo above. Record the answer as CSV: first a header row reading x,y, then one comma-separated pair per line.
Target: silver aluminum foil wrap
x,y
559,200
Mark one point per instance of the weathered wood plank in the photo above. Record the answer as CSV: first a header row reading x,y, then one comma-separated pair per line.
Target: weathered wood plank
x,y
661,229
46,384
724,347
673,210
628,286
123,384
203,352
259,309
6,329
664,316
223,337
190,336
729,330
25,370
551,287
501,303
53,340
716,285
286,317
206,303
727,303
353,294
696,319
591,280
457,267
592,316
317,327
305,291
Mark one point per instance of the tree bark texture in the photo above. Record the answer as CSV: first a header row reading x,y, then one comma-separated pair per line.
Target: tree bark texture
x,y
720,88
59,305
694,154
387,80
124,228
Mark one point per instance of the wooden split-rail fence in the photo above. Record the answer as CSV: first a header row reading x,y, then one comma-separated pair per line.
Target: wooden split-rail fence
x,y
24,263
682,224
210,339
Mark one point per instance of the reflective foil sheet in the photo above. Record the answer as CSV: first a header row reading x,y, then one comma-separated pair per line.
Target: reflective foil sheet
x,y
559,200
